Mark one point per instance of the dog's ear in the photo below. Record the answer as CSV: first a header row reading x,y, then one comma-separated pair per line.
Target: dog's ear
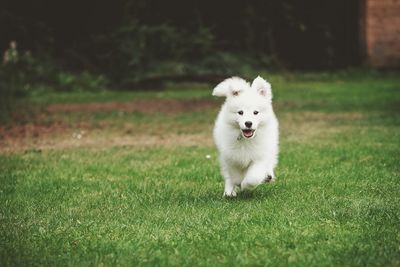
x,y
230,87
262,87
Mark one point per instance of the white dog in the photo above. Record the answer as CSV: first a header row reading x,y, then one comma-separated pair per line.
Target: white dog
x,y
246,134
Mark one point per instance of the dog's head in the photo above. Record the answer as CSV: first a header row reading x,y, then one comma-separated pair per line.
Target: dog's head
x,y
247,107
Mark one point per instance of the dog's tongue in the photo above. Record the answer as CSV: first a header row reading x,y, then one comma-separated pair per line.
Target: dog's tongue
x,y
248,133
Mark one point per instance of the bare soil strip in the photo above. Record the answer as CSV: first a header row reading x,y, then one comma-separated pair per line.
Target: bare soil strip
x,y
42,133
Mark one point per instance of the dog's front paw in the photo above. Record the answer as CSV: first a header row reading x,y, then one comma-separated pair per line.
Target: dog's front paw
x,y
269,179
245,185
230,194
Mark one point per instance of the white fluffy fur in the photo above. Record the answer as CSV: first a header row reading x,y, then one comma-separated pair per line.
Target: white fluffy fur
x,y
246,161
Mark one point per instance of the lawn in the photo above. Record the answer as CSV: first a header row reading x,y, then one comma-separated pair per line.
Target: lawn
x,y
131,179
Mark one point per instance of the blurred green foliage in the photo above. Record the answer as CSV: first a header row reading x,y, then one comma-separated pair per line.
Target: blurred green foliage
x,y
22,73
129,40
120,44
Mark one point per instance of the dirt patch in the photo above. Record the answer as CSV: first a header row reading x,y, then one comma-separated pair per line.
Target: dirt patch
x,y
49,130
305,126
101,140
309,116
145,106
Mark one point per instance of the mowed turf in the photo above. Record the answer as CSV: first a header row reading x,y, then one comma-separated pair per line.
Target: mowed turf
x,y
336,201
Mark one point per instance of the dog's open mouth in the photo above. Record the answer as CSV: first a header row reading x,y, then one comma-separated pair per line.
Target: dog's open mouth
x,y
248,133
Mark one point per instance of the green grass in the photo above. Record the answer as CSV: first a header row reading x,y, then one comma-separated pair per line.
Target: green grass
x,y
336,201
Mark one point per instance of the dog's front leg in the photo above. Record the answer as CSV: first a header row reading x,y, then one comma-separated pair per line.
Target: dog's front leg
x,y
269,176
229,190
255,176
232,178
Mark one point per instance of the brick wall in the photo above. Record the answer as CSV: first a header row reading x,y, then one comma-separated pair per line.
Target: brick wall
x,y
382,32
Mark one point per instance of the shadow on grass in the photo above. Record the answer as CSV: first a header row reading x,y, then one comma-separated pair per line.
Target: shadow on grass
x,y
261,193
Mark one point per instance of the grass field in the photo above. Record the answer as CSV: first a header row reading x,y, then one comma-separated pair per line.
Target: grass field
x,y
123,179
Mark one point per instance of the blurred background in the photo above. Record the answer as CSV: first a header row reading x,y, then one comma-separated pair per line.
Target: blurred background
x,y
131,44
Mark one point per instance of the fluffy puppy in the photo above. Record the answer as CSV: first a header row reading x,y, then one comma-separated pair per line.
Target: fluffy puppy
x,y
246,134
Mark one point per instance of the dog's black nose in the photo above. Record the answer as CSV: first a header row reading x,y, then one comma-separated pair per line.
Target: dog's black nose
x,y
248,124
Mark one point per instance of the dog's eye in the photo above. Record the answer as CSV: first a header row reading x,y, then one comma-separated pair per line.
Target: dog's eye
x,y
255,112
240,112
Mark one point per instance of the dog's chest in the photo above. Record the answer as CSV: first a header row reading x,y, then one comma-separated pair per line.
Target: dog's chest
x,y
243,153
